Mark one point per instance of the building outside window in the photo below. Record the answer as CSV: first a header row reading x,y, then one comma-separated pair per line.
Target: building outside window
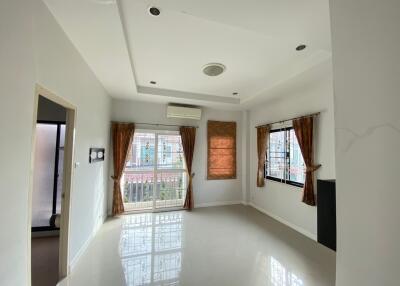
x,y
155,173
284,161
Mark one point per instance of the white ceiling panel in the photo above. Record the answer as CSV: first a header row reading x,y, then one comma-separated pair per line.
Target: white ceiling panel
x,y
96,31
127,48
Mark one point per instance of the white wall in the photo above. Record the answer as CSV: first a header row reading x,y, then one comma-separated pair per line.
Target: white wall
x,y
366,65
41,52
283,201
16,120
60,68
205,191
245,156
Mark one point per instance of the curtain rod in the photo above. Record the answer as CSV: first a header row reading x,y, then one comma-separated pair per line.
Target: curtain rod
x,y
282,121
155,124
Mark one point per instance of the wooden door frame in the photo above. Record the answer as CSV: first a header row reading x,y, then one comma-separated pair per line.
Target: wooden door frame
x,y
68,169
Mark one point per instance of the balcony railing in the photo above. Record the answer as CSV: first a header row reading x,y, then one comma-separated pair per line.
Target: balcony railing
x,y
138,189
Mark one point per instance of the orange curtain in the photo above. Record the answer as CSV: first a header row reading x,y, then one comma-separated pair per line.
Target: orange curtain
x,y
188,135
303,128
221,153
122,135
262,139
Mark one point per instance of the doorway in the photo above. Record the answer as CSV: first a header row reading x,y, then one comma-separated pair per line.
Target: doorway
x,y
48,170
51,177
47,189
155,176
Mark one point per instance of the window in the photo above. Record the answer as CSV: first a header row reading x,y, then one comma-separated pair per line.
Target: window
x,y
284,159
221,137
155,172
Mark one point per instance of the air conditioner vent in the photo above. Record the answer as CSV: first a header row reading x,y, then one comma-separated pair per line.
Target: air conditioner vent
x,y
187,112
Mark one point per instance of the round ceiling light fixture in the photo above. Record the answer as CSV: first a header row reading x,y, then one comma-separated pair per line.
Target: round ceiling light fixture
x,y
154,11
300,47
213,69
153,82
235,93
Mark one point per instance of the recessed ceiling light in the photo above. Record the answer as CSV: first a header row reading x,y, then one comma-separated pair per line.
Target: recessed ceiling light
x,y
213,69
154,11
153,82
300,47
235,93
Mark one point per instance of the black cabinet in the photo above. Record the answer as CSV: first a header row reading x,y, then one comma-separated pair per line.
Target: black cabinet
x,y
326,211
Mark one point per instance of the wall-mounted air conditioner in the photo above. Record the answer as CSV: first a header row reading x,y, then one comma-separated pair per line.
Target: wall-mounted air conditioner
x,y
188,112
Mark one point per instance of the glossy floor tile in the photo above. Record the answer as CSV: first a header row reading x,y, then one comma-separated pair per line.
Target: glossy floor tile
x,y
221,246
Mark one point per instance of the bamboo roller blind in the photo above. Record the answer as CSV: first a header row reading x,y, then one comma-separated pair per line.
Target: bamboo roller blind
x,y
221,151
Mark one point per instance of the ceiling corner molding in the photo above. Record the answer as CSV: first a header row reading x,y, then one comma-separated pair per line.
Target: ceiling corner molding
x,y
126,40
187,95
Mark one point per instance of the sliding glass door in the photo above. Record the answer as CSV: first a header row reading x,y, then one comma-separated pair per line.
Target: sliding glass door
x,y
155,175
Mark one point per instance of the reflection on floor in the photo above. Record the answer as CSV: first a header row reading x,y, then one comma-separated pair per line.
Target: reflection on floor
x,y
232,246
151,248
45,261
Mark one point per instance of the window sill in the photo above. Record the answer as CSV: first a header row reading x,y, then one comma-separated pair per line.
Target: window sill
x,y
290,183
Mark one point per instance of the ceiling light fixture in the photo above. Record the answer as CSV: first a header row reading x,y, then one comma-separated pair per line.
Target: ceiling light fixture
x,y
213,69
235,93
154,11
300,47
153,82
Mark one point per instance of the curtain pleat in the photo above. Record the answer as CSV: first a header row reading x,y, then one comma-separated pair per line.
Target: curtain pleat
x,y
262,139
188,135
303,128
122,135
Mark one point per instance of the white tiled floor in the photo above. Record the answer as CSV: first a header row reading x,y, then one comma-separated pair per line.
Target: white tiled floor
x,y
221,246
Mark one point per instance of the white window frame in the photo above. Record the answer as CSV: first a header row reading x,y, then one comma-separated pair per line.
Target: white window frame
x,y
156,173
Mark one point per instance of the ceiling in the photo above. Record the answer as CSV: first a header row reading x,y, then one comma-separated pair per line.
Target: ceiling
x,y
255,39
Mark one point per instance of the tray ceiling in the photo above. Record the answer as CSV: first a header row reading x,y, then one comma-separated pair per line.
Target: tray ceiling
x,y
128,48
